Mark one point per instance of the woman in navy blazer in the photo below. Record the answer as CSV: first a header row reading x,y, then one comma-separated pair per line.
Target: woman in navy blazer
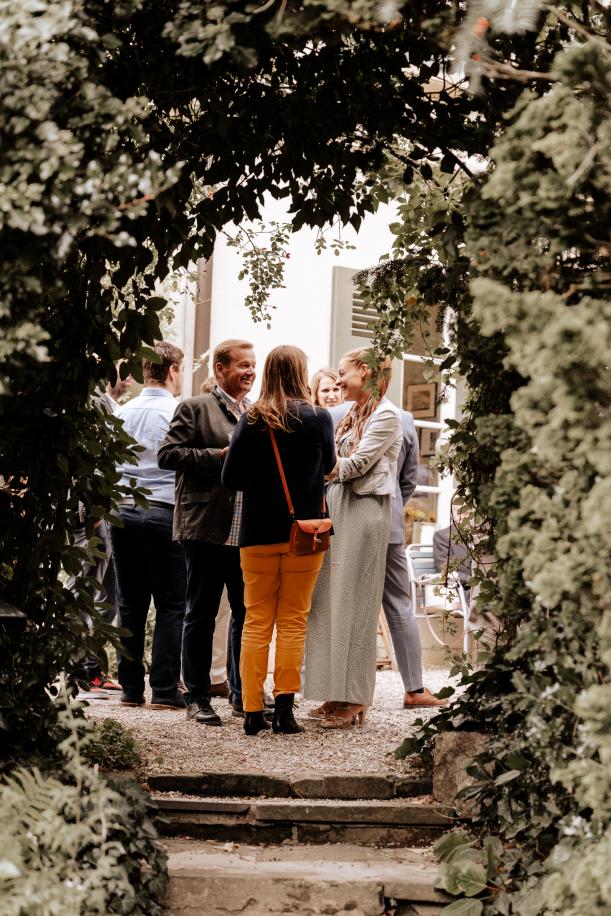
x,y
278,585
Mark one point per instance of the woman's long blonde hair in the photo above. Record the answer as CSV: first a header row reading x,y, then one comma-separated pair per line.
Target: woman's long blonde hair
x,y
357,417
285,378
317,379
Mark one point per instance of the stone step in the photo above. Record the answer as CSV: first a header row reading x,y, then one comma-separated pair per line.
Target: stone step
x,y
319,785
392,823
214,879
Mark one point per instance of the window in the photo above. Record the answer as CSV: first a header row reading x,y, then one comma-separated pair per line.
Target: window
x,y
351,325
416,386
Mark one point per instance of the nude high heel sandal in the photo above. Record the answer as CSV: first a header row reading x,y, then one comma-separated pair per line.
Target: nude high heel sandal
x,y
344,716
321,712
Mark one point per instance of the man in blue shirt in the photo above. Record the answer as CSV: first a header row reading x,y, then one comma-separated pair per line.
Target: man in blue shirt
x,y
148,562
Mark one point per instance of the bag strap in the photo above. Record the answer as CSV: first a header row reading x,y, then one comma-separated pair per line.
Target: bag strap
x,y
285,485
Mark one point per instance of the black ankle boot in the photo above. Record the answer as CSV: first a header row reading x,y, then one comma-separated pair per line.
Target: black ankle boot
x,y
284,720
254,722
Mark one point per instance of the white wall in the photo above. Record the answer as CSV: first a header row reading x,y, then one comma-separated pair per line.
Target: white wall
x,y
302,314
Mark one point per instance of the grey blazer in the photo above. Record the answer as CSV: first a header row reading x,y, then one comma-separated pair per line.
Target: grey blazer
x,y
407,468
372,468
201,428
407,477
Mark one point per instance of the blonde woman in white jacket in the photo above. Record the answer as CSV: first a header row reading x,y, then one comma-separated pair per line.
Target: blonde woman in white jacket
x,y
340,659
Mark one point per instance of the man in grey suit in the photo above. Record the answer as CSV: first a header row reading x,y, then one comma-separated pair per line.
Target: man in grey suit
x,y
396,601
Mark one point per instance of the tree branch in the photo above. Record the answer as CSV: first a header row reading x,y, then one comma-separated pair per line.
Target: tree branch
x,y
587,162
459,163
502,71
578,27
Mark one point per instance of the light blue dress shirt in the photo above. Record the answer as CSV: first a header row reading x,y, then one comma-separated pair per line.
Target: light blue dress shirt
x,y
147,419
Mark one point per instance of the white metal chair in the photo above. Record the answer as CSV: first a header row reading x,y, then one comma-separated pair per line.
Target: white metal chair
x,y
431,596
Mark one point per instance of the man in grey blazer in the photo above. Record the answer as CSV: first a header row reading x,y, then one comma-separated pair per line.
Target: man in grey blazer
x,y
207,520
396,601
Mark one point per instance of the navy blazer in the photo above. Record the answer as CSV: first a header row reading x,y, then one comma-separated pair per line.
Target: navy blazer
x,y
307,453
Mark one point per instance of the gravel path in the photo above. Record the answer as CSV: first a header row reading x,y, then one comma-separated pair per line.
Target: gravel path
x,y
169,743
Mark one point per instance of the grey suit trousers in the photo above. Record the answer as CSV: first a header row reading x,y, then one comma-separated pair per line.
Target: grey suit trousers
x,y
401,618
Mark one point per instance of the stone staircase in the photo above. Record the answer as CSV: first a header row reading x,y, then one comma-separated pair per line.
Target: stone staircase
x,y
254,844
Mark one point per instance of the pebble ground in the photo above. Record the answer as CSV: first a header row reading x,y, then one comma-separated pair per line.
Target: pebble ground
x,y
169,743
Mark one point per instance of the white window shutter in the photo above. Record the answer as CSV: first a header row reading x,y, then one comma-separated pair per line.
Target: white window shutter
x,y
351,326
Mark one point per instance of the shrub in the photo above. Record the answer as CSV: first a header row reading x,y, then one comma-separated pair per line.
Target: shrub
x,y
111,746
74,844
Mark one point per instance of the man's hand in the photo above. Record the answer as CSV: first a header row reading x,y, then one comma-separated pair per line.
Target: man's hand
x,y
224,451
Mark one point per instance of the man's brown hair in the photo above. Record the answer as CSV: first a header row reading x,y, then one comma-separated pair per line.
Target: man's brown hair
x,y
207,385
222,351
169,354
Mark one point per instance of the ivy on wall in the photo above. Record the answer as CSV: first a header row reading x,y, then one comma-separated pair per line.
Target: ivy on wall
x,y
531,455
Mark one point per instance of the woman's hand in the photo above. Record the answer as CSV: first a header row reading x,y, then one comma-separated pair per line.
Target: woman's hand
x,y
334,473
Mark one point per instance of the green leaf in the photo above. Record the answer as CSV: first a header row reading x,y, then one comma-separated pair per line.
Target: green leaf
x,y
465,854
448,844
516,762
464,908
407,747
509,776
447,163
472,878
494,851
426,171
462,877
156,303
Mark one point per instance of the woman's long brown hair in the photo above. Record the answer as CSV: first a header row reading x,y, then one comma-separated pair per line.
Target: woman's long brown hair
x,y
285,379
357,417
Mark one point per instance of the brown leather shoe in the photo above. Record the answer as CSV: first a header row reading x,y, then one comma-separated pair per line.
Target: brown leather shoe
x,y
220,690
426,698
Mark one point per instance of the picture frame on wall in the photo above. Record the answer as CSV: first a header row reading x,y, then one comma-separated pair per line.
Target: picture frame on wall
x,y
428,442
420,400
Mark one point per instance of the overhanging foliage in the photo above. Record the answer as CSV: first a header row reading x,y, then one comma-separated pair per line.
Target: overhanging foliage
x,y
529,276
114,113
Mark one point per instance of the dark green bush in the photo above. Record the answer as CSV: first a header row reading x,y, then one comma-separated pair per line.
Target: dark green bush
x,y
76,844
111,746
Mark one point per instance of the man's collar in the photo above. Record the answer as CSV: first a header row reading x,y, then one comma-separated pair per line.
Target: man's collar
x,y
236,404
156,391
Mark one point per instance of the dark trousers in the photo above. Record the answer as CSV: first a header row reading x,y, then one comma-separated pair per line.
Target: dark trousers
x,y
210,567
149,564
102,570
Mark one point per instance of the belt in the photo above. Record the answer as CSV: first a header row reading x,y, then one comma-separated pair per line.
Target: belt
x,y
130,504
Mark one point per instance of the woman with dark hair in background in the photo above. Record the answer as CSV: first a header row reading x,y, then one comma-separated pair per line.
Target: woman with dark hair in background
x,y
325,388
341,642
278,584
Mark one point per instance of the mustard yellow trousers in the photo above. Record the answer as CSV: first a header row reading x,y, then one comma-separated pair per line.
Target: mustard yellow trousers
x,y
278,588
